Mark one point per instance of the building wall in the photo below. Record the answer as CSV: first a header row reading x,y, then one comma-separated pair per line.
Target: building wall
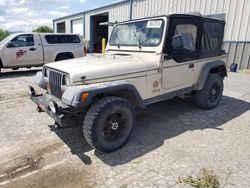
x,y
237,31
118,12
68,20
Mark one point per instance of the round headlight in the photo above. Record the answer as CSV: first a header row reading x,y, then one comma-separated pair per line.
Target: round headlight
x,y
53,106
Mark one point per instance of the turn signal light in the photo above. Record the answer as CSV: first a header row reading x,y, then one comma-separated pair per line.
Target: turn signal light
x,y
85,96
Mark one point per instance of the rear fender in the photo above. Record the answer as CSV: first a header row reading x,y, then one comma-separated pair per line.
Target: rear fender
x,y
218,67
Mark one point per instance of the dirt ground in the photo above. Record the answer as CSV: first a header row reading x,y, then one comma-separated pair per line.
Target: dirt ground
x,y
172,140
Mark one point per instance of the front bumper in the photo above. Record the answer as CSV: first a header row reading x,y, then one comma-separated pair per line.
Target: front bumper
x,y
64,116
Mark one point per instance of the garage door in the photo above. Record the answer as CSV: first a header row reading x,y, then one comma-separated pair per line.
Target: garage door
x,y
77,26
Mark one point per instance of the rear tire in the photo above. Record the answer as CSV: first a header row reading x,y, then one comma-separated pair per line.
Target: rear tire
x,y
108,124
209,97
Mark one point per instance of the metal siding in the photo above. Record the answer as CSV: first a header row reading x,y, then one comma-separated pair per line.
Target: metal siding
x,y
245,21
226,46
231,52
117,12
238,54
237,19
246,56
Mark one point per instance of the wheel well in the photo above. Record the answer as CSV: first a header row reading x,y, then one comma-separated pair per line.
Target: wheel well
x,y
64,54
123,93
221,70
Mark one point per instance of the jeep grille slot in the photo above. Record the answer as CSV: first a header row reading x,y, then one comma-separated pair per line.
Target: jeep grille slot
x,y
55,82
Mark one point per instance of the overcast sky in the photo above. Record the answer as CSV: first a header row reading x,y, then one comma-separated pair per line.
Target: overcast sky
x,y
25,15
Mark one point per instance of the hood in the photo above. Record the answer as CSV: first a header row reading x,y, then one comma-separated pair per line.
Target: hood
x,y
97,66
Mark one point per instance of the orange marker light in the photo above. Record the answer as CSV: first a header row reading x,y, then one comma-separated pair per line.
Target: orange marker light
x,y
85,96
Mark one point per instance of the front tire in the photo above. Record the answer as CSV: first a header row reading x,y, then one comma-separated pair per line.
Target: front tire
x,y
108,124
209,97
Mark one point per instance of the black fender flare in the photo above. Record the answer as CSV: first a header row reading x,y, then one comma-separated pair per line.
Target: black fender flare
x,y
206,69
72,95
1,63
66,54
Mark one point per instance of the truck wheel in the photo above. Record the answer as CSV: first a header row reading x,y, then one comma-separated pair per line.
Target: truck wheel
x,y
209,97
108,124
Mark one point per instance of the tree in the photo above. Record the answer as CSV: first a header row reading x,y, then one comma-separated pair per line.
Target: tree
x,y
43,29
3,34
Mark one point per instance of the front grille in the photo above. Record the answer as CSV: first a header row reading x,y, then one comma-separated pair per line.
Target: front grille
x,y
55,82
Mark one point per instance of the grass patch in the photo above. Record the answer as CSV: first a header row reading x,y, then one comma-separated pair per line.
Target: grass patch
x,y
205,179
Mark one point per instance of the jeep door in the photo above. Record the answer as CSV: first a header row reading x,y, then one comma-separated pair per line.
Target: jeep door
x,y
21,51
182,46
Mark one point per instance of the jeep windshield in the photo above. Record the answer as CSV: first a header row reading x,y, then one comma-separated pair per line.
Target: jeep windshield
x,y
142,33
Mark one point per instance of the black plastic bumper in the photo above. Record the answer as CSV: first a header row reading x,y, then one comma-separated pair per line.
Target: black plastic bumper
x,y
63,117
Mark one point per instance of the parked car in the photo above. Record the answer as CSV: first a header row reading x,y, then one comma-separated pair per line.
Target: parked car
x,y
148,60
36,49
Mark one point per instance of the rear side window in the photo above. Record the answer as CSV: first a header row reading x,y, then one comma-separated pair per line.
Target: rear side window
x,y
212,37
62,39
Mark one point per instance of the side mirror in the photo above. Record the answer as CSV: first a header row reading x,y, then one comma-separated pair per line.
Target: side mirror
x,y
177,42
10,45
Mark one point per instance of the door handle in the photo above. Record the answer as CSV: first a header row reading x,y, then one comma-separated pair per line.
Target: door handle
x,y
191,65
32,49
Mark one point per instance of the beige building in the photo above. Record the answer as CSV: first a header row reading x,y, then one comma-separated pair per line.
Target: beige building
x,y
237,33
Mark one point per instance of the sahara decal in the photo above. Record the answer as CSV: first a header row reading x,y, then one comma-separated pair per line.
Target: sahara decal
x,y
20,53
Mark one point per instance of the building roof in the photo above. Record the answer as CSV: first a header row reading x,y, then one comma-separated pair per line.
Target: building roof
x,y
90,10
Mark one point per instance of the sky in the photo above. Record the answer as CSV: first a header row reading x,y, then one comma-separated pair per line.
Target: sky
x,y
26,15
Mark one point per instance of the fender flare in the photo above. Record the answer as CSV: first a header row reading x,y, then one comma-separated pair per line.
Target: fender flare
x,y
70,53
206,70
72,95
1,63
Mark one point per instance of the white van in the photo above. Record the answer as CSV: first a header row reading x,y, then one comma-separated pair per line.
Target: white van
x,y
36,49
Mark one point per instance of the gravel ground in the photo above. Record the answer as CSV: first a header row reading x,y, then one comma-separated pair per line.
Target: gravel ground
x,y
172,140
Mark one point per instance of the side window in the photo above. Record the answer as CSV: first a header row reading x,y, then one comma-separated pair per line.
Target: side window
x,y
211,41
23,40
62,39
184,39
188,33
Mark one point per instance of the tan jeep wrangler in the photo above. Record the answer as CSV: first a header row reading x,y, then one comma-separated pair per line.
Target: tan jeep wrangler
x,y
147,61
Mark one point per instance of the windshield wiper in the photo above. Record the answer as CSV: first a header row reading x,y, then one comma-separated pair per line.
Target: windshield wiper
x,y
139,41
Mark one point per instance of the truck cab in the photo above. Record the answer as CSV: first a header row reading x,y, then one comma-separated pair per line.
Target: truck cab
x,y
34,49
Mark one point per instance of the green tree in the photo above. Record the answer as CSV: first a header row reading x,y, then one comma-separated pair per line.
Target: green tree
x,y
43,29
3,34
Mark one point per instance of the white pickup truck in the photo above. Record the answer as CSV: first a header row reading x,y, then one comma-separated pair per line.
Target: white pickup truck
x,y
36,49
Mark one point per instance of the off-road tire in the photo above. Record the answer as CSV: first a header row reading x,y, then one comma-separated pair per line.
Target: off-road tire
x,y
98,123
209,97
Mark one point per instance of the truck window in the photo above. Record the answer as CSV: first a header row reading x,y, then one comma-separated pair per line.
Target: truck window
x,y
62,39
184,42
189,35
211,40
23,40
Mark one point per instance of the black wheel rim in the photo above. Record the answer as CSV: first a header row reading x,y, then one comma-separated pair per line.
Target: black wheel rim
x,y
214,93
115,126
